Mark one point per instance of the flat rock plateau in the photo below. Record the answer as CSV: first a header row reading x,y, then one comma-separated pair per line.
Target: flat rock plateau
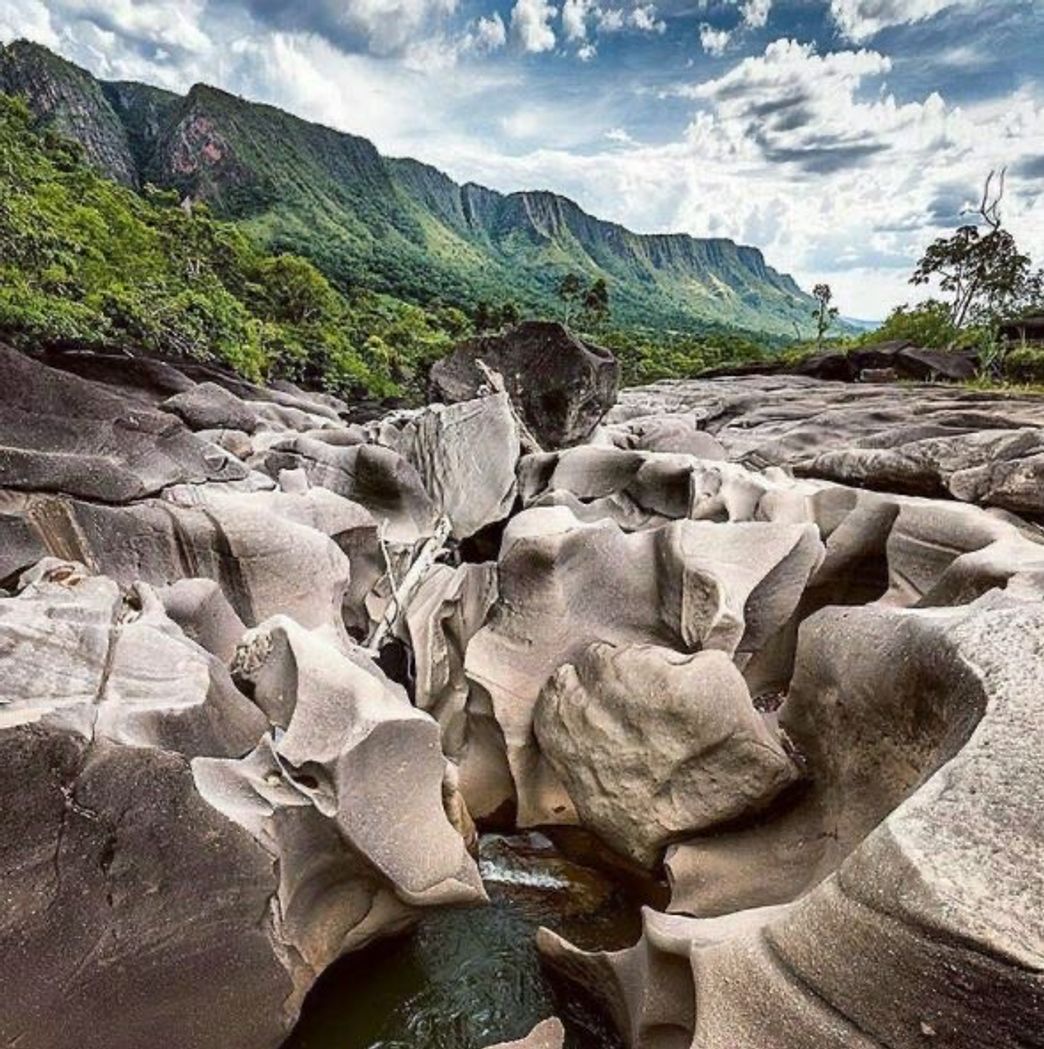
x,y
773,640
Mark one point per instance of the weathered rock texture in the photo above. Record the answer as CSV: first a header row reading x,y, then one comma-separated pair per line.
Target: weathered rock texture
x,y
938,441
653,745
548,1034
560,386
930,930
155,877
815,704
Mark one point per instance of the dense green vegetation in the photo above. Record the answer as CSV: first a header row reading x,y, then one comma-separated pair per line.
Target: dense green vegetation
x,y
87,262
394,225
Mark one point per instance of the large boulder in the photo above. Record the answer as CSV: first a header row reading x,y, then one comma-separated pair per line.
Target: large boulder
x,y
208,406
465,454
931,931
560,386
564,584
60,433
264,560
378,478
652,744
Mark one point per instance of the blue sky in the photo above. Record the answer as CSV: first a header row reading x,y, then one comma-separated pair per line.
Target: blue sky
x,y
840,136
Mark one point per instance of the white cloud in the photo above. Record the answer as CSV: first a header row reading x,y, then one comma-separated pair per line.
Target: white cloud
x,y
574,18
610,19
644,19
617,134
486,35
861,19
714,41
530,24
29,19
755,13
586,52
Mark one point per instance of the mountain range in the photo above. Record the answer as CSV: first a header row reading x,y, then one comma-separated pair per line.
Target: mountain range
x,y
394,225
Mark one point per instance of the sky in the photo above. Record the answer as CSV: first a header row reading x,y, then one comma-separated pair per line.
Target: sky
x,y
839,136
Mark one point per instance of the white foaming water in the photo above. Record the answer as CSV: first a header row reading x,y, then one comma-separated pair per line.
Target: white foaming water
x,y
494,871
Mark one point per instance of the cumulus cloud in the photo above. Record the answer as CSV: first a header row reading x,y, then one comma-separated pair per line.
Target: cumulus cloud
x,y
796,106
587,52
861,19
486,35
643,18
714,41
383,27
610,19
530,24
574,18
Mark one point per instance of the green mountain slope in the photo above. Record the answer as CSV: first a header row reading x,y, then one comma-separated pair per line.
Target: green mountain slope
x,y
394,225
89,263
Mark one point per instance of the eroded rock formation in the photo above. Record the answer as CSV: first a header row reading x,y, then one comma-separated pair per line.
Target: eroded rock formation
x,y
265,668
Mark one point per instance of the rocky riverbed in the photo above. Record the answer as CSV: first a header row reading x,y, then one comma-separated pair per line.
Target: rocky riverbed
x,y
773,641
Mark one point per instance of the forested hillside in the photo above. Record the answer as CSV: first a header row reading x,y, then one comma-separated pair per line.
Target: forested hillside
x,y
396,226
91,263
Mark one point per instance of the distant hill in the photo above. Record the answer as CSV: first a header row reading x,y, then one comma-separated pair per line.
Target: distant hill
x,y
394,225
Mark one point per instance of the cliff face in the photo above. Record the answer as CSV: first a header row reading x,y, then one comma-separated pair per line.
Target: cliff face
x,y
394,224
70,101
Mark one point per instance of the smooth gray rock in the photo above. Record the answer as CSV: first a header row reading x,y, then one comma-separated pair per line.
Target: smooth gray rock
x,y
465,455
65,434
931,931
208,406
564,584
931,440
653,745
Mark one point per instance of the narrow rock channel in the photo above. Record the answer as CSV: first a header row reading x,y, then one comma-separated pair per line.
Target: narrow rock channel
x,y
468,977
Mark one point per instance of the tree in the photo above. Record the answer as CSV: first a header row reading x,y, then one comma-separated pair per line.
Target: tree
x,y
596,303
509,314
824,314
570,289
980,265
483,317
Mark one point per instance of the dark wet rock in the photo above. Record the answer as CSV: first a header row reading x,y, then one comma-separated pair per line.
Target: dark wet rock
x,y
560,385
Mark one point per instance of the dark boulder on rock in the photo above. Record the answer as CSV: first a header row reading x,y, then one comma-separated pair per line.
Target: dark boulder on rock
x,y
560,385
907,361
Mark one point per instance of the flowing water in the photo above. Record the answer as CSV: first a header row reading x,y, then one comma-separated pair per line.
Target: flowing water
x,y
465,978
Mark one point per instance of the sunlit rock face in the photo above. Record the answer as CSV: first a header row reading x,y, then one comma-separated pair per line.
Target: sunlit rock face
x,y
181,843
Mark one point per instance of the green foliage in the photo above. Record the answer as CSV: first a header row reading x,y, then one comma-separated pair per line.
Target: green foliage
x,y
487,318
824,314
87,262
648,356
928,324
1023,365
981,267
